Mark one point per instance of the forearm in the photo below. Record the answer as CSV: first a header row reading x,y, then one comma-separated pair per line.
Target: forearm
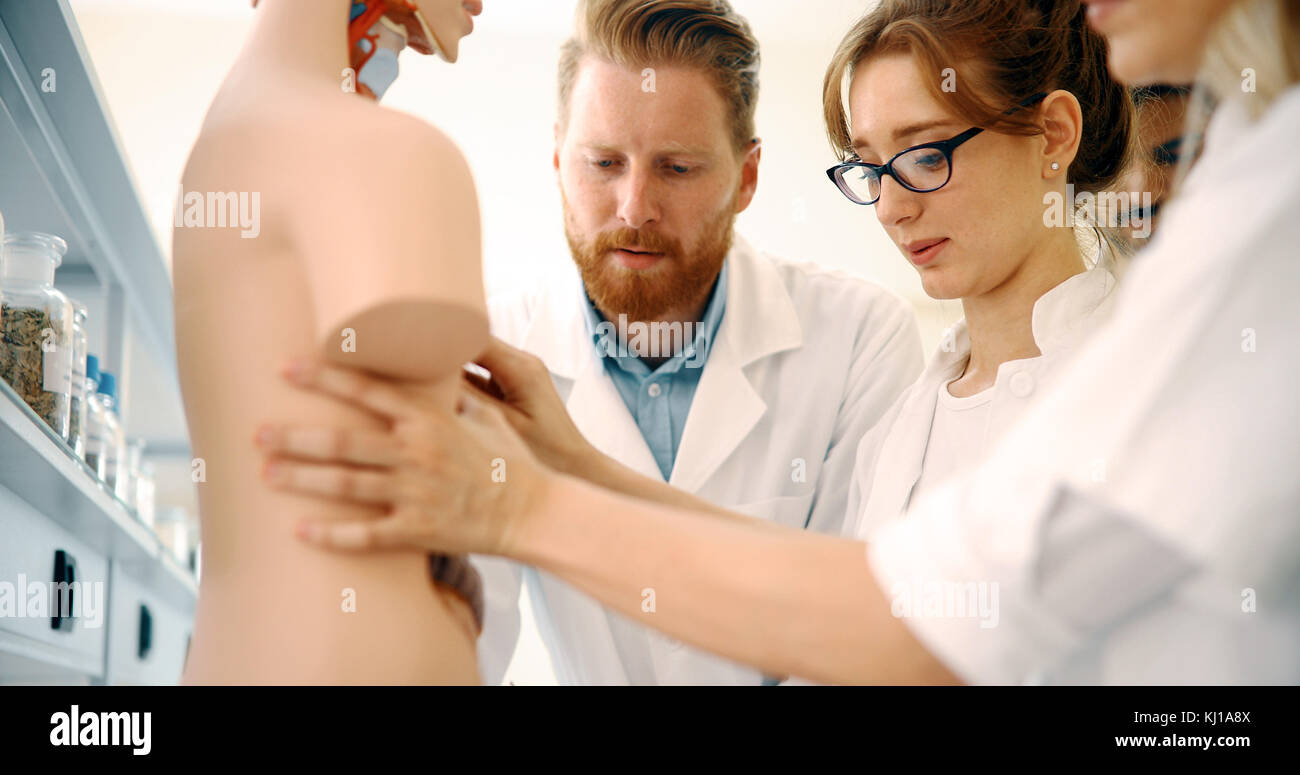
x,y
605,472
785,601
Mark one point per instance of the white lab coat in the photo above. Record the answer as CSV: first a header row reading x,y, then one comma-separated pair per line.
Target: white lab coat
x,y
890,457
1142,522
805,361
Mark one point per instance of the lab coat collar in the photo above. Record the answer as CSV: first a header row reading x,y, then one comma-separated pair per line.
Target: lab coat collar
x,y
1059,320
1060,316
760,317
760,320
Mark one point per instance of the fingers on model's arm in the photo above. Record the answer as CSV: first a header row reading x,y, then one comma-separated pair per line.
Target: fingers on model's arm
x,y
341,445
332,481
350,385
353,536
513,370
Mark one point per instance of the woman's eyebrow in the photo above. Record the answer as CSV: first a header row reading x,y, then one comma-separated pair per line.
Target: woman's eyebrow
x,y
906,131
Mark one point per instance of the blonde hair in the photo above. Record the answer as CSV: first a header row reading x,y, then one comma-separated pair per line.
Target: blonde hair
x,y
1263,35
707,34
1260,38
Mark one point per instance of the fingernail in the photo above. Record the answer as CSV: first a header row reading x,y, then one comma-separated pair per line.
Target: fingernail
x,y
264,436
306,531
296,370
273,472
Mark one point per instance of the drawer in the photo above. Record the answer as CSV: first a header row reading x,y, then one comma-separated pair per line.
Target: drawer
x,y
33,549
147,637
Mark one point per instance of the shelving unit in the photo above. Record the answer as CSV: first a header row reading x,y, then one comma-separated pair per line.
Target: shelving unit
x,y
62,171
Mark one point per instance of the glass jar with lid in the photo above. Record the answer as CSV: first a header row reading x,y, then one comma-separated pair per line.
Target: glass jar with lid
x,y
36,327
77,404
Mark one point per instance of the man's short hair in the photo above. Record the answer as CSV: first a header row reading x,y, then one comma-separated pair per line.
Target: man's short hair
x,y
707,34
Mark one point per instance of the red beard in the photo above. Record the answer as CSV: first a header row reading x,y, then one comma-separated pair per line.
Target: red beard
x,y
678,282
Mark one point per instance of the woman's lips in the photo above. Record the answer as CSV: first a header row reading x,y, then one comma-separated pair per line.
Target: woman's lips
x,y
922,253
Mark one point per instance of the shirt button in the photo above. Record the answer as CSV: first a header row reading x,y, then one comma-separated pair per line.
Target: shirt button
x,y
654,390
1022,384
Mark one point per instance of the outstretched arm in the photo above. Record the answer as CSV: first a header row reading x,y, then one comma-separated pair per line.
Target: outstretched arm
x,y
786,601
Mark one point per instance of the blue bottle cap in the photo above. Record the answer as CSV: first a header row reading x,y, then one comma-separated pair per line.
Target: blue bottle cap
x,y
108,385
92,367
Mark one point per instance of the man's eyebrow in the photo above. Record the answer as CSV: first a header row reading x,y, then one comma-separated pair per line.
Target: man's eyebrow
x,y
669,148
906,131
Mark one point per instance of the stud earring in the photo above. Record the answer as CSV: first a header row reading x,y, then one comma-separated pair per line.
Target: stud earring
x,y
1056,166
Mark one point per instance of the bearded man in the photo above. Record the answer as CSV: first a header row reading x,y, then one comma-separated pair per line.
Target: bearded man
x,y
684,353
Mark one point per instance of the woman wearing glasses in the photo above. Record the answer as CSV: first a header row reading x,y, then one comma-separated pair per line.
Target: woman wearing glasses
x,y
1138,525
970,171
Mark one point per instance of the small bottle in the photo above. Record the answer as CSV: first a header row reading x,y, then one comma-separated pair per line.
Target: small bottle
x,y
36,327
174,530
114,439
144,494
77,407
96,424
130,471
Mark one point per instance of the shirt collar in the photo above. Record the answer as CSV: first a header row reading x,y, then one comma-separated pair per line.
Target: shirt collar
x,y
697,351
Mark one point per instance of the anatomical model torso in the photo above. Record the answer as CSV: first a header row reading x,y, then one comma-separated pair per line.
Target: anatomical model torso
x,y
368,221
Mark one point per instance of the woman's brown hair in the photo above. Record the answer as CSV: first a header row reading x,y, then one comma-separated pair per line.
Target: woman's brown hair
x,y
1001,52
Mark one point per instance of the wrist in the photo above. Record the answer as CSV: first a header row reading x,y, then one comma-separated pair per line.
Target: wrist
x,y
540,518
591,465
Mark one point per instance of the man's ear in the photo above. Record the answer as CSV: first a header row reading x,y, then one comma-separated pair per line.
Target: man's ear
x,y
1062,130
749,174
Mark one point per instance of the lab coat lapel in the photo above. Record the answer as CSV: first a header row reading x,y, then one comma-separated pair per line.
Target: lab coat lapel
x,y
577,630
603,418
759,320
725,408
902,452
558,335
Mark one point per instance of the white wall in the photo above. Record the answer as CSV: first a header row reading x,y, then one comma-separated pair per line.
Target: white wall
x,y
160,61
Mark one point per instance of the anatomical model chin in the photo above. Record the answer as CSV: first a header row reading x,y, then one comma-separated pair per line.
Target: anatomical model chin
x,y
367,254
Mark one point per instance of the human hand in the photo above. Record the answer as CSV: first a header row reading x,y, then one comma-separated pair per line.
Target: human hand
x,y
454,481
521,387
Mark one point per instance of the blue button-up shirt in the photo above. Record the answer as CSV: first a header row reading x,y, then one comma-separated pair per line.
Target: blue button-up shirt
x,y
659,400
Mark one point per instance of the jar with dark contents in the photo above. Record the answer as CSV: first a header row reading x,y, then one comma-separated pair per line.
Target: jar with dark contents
x,y
36,327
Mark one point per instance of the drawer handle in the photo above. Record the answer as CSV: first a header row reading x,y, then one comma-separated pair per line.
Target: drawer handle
x,y
146,633
63,591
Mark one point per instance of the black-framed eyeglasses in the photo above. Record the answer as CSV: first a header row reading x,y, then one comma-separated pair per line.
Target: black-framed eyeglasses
x,y
922,168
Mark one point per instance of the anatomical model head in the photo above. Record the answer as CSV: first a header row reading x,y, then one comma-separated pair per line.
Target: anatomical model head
x,y
378,30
